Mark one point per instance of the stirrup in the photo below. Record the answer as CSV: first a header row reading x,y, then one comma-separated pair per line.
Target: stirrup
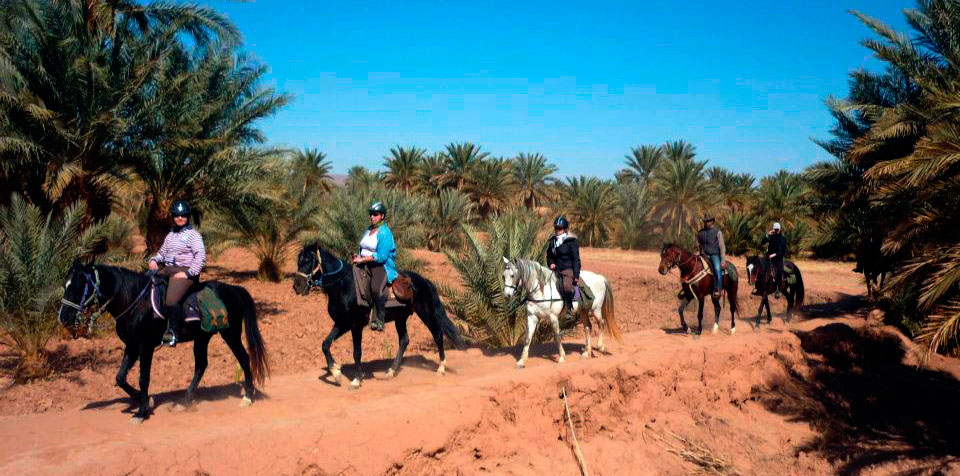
x,y
169,338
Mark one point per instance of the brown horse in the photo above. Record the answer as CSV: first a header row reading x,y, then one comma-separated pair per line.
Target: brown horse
x,y
697,283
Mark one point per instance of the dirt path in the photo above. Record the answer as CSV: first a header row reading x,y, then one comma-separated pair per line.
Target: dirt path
x,y
639,410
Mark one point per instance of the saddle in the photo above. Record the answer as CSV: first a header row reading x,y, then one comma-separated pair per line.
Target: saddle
x,y
728,268
201,304
362,284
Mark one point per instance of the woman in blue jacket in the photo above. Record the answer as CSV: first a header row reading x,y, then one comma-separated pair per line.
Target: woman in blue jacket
x,y
376,259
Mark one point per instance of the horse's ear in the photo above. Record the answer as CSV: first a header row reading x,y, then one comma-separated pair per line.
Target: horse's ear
x,y
505,260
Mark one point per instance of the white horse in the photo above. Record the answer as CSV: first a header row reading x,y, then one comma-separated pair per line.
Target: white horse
x,y
543,300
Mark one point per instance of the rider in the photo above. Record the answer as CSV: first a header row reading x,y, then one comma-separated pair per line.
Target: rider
x,y
712,248
376,259
563,257
182,256
776,251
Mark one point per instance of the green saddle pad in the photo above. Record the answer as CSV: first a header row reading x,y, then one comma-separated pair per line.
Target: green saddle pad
x,y
731,271
586,295
213,314
789,276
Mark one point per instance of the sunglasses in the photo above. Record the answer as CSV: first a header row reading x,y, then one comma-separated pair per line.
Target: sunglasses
x,y
375,214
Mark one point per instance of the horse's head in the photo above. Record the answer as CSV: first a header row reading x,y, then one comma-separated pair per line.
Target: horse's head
x,y
511,277
753,269
669,257
308,264
80,290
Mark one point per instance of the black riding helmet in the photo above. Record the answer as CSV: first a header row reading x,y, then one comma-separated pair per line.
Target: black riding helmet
x,y
561,223
378,207
180,208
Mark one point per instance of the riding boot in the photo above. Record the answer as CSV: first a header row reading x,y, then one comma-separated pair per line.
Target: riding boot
x,y
171,336
378,323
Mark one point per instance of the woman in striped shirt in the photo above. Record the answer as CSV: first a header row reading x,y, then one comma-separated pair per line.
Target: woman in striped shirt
x,y
182,256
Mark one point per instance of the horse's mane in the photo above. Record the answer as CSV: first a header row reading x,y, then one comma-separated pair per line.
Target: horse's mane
x,y
127,283
529,268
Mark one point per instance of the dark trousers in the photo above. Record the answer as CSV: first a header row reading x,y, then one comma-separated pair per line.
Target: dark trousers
x,y
377,277
177,290
565,276
777,264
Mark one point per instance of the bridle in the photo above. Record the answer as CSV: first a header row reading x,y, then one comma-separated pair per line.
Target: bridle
x,y
88,319
318,281
526,298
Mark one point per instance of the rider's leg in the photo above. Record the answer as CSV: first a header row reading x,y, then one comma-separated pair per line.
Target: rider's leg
x,y
778,269
717,265
566,291
177,289
378,294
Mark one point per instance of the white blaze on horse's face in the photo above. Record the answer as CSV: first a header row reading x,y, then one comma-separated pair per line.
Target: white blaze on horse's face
x,y
509,278
750,273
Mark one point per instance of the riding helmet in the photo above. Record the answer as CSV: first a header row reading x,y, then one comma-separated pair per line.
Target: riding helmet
x,y
776,225
561,223
378,207
708,218
180,208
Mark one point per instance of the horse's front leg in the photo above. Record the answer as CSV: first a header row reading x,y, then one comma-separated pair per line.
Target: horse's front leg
x,y
199,365
403,341
703,304
532,321
763,299
332,366
681,307
788,293
356,332
555,322
130,355
717,306
146,361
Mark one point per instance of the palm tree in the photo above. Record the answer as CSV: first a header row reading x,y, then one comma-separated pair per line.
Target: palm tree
x,y
634,230
591,205
359,177
429,175
458,160
36,251
199,145
681,189
403,166
313,169
489,184
734,188
72,78
533,176
782,197
448,212
273,224
642,162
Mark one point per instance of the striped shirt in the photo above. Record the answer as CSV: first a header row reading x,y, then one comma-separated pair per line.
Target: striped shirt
x,y
183,248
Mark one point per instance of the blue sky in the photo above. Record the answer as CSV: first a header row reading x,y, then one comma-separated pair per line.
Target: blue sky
x,y
580,82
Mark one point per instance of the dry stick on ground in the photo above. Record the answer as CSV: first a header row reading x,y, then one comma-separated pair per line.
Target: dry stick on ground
x,y
696,454
576,444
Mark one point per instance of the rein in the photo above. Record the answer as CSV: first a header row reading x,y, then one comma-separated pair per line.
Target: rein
x,y
89,319
527,297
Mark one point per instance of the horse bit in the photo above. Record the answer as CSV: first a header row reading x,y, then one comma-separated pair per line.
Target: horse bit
x,y
318,282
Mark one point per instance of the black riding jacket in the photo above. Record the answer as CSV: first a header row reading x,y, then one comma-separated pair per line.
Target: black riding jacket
x,y
776,244
565,256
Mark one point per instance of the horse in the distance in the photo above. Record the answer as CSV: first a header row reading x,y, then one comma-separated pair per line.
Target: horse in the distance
x,y
319,268
697,282
542,295
791,287
125,294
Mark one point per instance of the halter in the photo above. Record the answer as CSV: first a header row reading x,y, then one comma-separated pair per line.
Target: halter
x,y
694,278
318,281
519,281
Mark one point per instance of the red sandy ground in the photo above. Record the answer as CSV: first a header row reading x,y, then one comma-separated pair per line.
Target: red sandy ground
x,y
825,395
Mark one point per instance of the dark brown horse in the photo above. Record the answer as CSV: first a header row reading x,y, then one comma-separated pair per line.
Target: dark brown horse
x,y
696,283
791,286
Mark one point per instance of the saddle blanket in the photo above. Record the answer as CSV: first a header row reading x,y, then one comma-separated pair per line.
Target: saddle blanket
x,y
729,268
204,306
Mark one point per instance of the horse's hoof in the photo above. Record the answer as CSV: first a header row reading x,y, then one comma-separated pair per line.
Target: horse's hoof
x,y
153,403
715,327
585,354
245,402
136,420
696,337
441,371
391,373
733,330
521,364
560,360
355,384
686,331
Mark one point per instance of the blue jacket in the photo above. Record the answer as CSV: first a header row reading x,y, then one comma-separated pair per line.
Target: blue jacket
x,y
386,251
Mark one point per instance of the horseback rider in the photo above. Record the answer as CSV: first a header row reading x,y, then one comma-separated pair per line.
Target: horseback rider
x,y
563,257
376,259
712,248
182,256
776,252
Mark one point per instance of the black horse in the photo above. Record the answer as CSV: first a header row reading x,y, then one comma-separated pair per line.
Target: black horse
x,y
766,284
125,295
318,268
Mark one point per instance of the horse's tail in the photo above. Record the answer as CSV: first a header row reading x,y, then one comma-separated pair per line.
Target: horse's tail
x,y
609,313
259,363
449,328
800,288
